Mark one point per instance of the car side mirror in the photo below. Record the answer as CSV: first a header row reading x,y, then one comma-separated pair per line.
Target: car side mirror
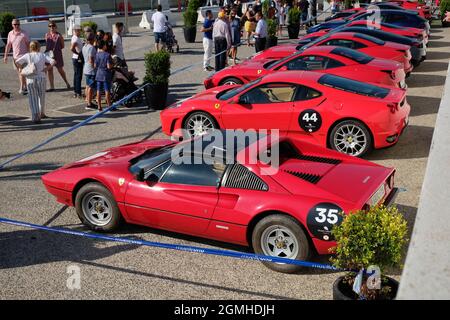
x,y
283,68
152,179
243,100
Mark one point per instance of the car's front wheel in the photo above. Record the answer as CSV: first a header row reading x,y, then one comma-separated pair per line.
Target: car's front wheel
x,y
230,81
198,123
281,236
97,208
351,137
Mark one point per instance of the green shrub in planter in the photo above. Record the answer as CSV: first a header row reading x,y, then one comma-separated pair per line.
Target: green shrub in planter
x,y
6,19
190,18
194,5
157,73
370,238
444,6
294,16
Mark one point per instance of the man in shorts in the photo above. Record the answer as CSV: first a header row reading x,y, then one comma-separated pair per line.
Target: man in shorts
x,y
159,28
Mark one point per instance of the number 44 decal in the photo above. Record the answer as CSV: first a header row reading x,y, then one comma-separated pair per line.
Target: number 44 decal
x,y
328,215
308,118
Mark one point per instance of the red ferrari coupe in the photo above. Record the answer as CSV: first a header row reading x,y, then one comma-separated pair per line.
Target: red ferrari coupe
x,y
341,61
346,115
288,212
367,44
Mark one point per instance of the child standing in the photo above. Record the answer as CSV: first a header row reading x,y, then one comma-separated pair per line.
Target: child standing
x,y
103,65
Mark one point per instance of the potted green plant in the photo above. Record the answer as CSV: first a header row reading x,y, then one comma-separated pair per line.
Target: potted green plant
x,y
444,7
157,73
272,39
294,22
6,19
375,237
190,17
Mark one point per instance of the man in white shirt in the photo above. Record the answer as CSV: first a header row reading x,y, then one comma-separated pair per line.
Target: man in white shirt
x,y
159,27
222,40
260,33
117,40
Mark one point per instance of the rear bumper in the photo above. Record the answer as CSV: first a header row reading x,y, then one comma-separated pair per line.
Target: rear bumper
x,y
392,131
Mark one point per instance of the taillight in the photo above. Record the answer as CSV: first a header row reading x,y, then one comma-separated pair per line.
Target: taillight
x,y
393,107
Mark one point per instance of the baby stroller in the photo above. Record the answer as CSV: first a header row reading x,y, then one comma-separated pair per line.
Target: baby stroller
x,y
170,38
123,83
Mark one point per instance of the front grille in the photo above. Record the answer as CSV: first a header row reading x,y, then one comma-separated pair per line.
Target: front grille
x,y
313,178
317,159
241,178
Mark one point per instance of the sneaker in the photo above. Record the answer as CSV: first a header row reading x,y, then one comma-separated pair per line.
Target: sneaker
x,y
91,107
209,68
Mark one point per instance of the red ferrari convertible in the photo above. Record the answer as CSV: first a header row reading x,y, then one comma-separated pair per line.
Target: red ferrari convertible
x,y
288,212
340,61
367,44
346,115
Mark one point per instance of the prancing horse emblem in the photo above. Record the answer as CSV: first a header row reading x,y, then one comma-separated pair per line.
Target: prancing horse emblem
x,y
121,181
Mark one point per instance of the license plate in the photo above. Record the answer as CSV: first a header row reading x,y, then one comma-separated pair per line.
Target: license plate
x,y
402,84
378,195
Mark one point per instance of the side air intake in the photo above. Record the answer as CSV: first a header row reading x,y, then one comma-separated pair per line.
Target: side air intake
x,y
317,159
313,178
241,178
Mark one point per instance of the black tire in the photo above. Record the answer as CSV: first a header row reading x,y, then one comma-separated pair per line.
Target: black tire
x,y
231,79
367,147
89,190
200,114
287,222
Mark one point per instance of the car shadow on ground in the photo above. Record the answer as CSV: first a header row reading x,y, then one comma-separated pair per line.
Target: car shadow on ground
x,y
413,143
30,171
419,80
430,66
437,55
423,105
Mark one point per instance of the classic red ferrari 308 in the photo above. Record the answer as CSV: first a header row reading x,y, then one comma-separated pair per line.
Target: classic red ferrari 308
x,y
225,196
364,43
340,61
331,111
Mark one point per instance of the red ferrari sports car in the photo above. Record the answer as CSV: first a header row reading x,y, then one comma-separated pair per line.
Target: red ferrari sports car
x,y
341,61
367,44
182,187
346,115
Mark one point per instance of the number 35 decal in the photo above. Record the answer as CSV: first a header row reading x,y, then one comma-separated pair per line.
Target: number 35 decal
x,y
321,219
310,120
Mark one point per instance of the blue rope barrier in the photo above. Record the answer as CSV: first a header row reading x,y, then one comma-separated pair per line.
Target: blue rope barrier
x,y
185,248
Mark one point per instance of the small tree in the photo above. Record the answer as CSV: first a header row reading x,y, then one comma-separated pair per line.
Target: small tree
x,y
370,238
444,6
157,67
272,27
294,16
6,19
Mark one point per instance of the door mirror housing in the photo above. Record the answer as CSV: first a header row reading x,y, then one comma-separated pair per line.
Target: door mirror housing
x,y
243,99
152,179
283,68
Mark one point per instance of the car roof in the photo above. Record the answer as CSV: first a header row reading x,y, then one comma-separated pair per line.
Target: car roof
x,y
292,76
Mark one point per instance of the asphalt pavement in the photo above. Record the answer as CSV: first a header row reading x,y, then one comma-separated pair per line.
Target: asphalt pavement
x,y
37,265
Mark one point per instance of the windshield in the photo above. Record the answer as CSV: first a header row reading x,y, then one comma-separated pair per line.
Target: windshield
x,y
150,158
354,55
235,91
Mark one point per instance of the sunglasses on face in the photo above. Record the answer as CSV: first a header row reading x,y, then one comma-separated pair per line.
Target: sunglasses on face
x,y
16,24
52,26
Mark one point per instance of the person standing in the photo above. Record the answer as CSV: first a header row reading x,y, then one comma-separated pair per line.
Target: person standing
x,y
18,41
89,53
235,25
55,43
222,40
303,6
207,30
313,7
260,33
76,46
103,65
159,28
36,82
117,40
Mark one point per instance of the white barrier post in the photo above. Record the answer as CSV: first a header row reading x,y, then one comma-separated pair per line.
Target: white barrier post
x,y
126,15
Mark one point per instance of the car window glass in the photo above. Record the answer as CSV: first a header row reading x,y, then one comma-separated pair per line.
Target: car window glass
x,y
345,43
269,93
196,172
306,93
159,170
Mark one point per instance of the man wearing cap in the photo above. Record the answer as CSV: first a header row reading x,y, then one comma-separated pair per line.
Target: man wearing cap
x,y
77,59
222,40
17,40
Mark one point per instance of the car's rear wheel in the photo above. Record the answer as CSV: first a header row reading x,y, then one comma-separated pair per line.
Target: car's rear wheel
x,y
351,137
230,81
281,236
97,208
198,123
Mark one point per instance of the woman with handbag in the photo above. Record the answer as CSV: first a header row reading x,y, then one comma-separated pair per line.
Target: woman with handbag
x,y
54,45
33,66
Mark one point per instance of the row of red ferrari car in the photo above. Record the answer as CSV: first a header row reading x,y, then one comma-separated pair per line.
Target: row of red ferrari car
x,y
332,100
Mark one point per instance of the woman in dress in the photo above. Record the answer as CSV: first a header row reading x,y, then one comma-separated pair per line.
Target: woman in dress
x,y
36,82
55,43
